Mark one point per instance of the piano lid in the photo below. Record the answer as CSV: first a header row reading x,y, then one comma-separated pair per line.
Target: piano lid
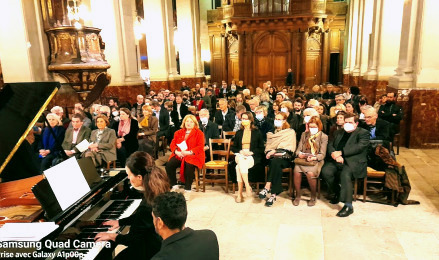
x,y
21,105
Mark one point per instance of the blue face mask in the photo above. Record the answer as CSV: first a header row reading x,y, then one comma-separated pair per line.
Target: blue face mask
x,y
259,117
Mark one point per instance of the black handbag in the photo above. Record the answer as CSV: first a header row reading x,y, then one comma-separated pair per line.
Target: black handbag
x,y
282,154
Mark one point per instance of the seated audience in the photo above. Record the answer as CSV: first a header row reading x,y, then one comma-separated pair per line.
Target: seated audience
x,y
307,114
264,124
126,132
241,101
48,148
293,119
275,109
311,152
234,125
86,121
180,109
378,128
60,112
232,92
298,107
148,127
136,110
281,144
348,160
380,102
248,147
224,114
142,241
74,135
337,125
339,100
103,143
329,94
187,149
315,93
210,130
199,103
163,117
169,214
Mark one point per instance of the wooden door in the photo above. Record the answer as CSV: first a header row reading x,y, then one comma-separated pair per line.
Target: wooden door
x,y
271,54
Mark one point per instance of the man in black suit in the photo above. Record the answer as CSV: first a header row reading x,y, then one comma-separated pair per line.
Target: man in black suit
x,y
392,113
209,128
169,214
290,78
224,114
184,87
348,160
378,128
224,90
163,117
180,110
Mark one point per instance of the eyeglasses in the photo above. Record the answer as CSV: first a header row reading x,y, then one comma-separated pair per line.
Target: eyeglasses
x,y
339,100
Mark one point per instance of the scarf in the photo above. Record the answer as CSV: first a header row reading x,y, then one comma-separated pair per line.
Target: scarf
x,y
312,143
124,127
144,122
284,139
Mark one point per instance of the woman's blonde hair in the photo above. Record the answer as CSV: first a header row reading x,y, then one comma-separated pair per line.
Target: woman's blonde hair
x,y
56,118
191,117
147,108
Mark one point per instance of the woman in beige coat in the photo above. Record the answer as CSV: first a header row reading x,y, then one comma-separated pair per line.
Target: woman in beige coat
x,y
103,142
311,150
279,149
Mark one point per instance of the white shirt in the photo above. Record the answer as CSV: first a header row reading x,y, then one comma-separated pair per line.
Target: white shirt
x,y
178,110
224,114
75,135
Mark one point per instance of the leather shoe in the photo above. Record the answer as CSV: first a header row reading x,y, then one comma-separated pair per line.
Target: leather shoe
x,y
335,200
345,212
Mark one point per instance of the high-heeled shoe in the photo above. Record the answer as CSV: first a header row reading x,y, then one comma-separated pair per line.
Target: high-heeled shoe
x,y
296,201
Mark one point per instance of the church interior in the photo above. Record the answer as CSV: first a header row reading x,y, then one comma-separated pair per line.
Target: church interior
x,y
137,58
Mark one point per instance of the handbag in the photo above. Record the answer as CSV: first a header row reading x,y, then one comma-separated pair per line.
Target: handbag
x,y
304,162
282,154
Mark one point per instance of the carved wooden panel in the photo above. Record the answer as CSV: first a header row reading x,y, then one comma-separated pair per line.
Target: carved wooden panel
x,y
334,41
271,58
313,69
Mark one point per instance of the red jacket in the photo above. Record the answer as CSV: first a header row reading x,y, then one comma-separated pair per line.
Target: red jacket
x,y
195,143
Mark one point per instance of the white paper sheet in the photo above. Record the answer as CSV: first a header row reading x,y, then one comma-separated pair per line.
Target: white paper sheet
x,y
26,231
82,146
182,146
67,182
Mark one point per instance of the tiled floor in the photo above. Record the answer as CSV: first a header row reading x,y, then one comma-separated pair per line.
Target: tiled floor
x,y
252,231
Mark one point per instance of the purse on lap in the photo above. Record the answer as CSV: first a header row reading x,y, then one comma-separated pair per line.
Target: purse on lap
x,y
304,162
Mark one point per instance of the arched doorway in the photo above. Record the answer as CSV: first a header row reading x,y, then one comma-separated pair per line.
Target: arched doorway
x,y
271,59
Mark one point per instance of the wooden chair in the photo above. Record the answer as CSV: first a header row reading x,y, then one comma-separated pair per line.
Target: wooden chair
x,y
223,152
109,164
373,177
396,141
163,141
317,186
228,134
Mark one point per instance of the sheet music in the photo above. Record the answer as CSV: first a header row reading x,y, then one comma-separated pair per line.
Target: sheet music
x,y
26,231
67,182
82,146
182,146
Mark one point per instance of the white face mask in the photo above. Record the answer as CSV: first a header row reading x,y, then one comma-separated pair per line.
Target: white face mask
x,y
361,116
313,130
306,119
259,117
336,111
284,109
115,113
203,120
349,127
278,123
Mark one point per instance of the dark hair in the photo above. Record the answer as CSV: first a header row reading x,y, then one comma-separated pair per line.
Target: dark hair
x,y
155,180
355,90
103,117
126,111
79,116
171,208
349,115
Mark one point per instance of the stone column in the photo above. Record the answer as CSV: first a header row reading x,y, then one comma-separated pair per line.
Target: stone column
x,y
357,68
115,18
160,40
372,70
188,24
23,46
404,77
351,27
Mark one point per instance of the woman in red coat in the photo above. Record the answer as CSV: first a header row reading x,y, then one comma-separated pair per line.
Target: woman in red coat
x,y
187,149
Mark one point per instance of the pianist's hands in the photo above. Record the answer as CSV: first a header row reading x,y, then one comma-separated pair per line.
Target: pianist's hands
x,y
112,223
103,236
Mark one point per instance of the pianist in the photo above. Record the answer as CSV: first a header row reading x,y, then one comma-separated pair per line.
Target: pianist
x,y
142,241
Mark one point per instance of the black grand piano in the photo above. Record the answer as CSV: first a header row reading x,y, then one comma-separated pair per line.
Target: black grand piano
x,y
31,198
